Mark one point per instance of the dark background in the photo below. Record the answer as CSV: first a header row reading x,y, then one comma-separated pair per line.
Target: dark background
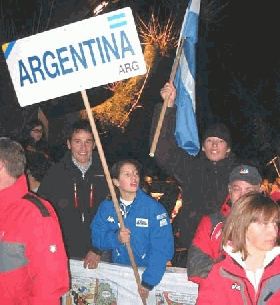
x,y
237,75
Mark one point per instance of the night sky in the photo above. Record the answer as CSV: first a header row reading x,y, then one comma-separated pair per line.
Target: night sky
x,y
237,73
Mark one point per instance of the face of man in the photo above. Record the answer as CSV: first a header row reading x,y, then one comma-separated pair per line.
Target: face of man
x,y
215,149
239,188
81,145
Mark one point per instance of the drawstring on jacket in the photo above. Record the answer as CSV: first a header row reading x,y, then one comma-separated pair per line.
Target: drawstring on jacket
x,y
76,202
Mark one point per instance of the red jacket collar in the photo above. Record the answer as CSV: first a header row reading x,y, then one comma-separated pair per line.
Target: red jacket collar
x,y
225,208
15,191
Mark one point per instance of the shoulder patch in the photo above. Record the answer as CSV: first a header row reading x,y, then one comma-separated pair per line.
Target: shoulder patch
x,y
161,216
39,204
216,224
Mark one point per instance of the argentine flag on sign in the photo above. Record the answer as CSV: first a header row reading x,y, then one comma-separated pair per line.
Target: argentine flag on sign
x,y
186,132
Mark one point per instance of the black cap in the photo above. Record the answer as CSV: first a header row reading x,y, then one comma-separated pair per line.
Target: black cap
x,y
246,173
218,130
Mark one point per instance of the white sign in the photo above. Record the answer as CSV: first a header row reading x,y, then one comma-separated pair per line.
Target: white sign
x,y
112,284
75,57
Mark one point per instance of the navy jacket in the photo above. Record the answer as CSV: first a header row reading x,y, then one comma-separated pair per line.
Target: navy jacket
x,y
75,212
204,183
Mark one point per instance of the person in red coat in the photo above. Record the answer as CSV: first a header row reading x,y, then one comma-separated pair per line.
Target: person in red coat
x,y
205,247
248,271
33,261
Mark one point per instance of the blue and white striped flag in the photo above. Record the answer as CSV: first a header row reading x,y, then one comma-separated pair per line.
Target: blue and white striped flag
x,y
186,132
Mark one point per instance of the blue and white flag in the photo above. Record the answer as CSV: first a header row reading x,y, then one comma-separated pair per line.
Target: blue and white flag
x,y
186,132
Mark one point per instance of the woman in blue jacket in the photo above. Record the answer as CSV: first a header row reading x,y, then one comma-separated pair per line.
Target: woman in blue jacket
x,y
147,226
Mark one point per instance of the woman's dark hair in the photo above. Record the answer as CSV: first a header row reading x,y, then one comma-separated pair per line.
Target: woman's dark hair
x,y
116,168
30,126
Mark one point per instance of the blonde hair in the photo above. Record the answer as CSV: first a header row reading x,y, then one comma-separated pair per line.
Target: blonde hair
x,y
252,207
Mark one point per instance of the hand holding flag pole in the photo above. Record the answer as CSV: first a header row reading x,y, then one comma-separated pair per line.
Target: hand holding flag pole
x,y
165,103
186,133
110,184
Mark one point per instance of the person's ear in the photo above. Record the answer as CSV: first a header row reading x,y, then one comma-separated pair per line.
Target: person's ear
x,y
228,150
1,165
94,145
68,144
116,182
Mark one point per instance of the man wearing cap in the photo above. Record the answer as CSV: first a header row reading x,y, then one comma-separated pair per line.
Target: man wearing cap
x,y
203,179
205,247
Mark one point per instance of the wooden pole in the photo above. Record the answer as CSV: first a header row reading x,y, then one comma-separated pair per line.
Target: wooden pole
x,y
275,166
110,184
165,103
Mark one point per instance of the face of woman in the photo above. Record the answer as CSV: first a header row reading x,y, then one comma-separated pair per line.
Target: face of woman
x,y
128,181
261,236
215,149
37,133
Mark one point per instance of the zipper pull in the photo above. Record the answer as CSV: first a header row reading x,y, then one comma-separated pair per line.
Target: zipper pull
x,y
75,196
83,217
91,196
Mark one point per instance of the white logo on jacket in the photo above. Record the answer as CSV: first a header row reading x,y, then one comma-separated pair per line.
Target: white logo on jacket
x,y
217,231
110,219
161,216
235,286
53,248
163,222
142,222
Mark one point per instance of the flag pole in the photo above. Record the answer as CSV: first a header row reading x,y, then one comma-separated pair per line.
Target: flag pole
x,y
165,103
110,184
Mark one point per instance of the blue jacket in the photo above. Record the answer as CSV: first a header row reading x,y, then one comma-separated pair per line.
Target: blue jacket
x,y
151,236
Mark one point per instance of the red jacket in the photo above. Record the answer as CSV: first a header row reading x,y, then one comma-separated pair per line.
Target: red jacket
x,y
228,284
33,265
205,247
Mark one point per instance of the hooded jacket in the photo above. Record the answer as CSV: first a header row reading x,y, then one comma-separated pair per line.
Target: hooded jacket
x,y
33,261
227,282
75,198
204,183
151,235
206,245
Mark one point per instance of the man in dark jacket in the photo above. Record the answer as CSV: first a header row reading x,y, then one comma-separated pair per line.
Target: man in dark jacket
x,y
75,186
205,247
203,178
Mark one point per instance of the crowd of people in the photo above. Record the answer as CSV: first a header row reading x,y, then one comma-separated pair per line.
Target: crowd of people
x,y
272,188
214,215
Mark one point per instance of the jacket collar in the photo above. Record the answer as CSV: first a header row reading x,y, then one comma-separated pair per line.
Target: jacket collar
x,y
15,191
225,208
270,256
